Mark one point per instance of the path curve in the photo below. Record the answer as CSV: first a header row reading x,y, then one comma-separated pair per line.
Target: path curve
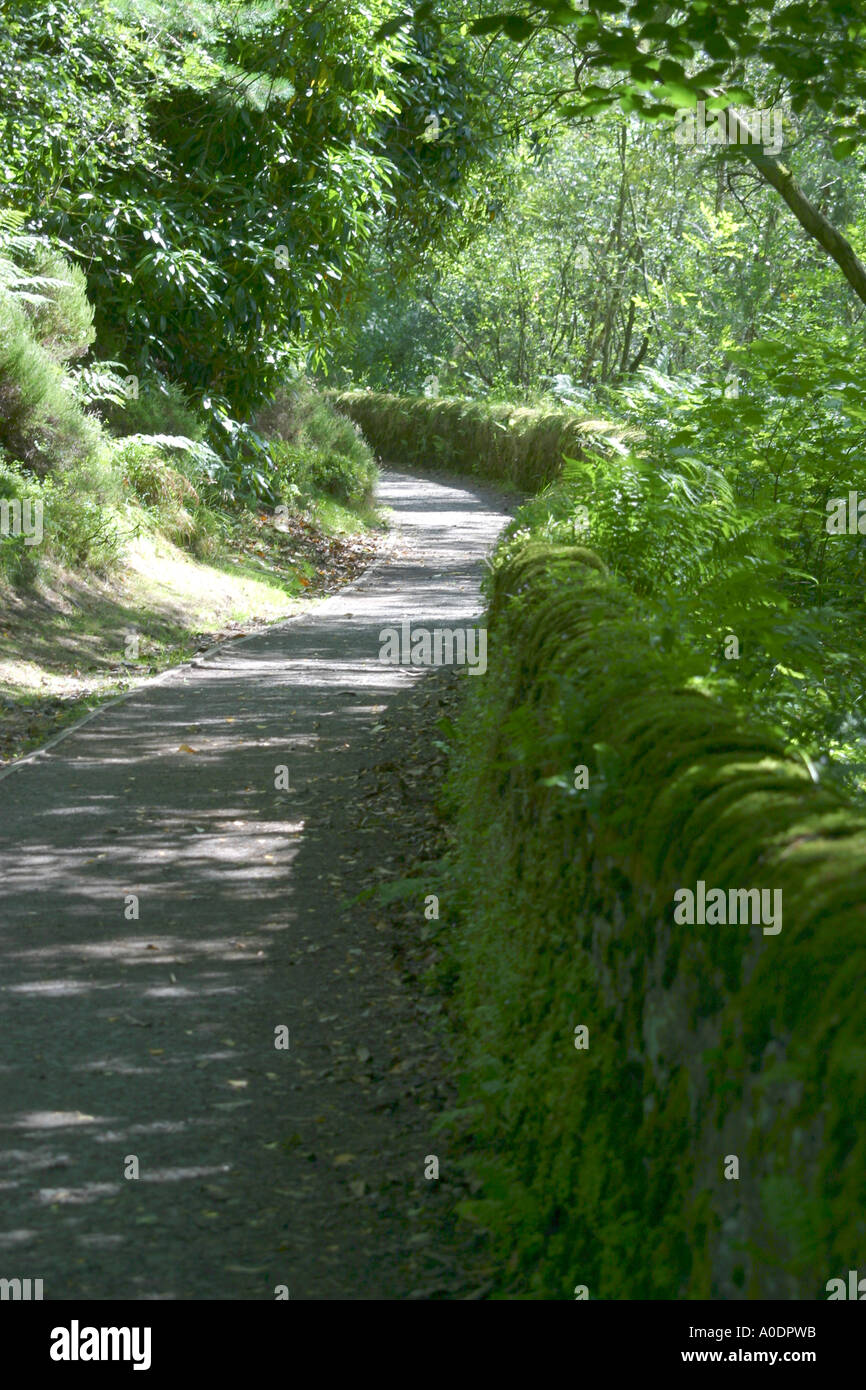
x,y
154,1039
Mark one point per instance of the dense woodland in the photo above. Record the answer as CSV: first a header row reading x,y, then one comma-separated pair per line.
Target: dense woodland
x,y
247,249
206,205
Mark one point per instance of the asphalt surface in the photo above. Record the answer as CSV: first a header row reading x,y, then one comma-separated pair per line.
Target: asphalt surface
x,y
146,1043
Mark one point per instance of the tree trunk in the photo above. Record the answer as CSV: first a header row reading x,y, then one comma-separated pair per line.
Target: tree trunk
x,y
779,176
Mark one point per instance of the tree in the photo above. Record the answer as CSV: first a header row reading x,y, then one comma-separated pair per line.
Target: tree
x,y
656,60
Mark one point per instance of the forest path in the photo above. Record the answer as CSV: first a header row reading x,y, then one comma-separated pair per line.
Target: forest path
x,y
153,1040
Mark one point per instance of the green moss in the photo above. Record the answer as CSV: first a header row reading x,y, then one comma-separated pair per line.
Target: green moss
x,y
523,447
607,1164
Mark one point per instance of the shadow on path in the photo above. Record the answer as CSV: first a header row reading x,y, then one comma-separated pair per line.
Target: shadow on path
x,y
152,1038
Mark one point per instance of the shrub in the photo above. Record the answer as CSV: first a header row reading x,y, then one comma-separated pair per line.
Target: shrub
x,y
317,449
340,476
153,480
85,534
283,418
18,560
61,316
85,526
161,407
305,472
42,423
82,523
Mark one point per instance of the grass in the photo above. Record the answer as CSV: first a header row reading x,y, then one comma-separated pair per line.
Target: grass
x,y
119,519
337,519
63,637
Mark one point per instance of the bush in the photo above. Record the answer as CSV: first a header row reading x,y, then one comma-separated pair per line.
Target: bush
x,y
317,449
42,423
82,524
18,560
168,493
284,417
153,480
305,472
85,533
345,478
161,407
85,526
61,317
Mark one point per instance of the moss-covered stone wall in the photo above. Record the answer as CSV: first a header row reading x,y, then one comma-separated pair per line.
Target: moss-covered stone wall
x,y
610,1165
519,446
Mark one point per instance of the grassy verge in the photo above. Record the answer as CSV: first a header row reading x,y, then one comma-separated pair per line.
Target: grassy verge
x,y
74,639
127,541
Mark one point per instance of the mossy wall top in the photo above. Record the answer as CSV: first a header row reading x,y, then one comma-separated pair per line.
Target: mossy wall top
x,y
511,444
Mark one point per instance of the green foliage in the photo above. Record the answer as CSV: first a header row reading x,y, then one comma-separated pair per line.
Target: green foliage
x,y
147,472
710,506
44,319
306,471
514,445
655,67
609,247
84,525
158,407
221,171
703,1041
169,477
316,449
747,551
62,317
18,560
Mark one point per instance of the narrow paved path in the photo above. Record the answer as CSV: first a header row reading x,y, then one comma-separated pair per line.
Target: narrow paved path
x,y
151,1042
